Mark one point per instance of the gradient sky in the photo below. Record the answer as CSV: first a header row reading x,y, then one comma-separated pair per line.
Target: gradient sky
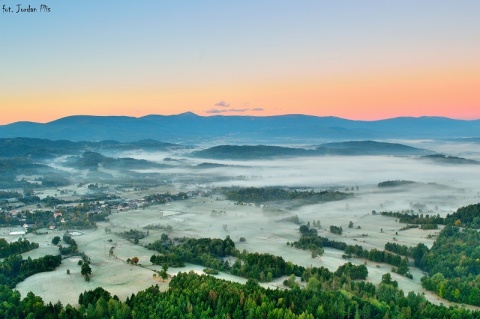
x,y
353,59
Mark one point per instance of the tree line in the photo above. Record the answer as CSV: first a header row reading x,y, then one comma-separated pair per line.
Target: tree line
x,y
268,194
15,248
204,251
15,269
162,198
309,240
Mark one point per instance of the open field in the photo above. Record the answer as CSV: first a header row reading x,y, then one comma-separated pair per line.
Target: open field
x,y
192,218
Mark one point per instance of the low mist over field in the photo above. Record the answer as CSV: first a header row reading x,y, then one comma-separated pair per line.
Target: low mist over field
x,y
325,171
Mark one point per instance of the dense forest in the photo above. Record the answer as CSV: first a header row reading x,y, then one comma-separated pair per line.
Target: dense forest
x,y
416,252
468,216
194,296
43,148
15,269
11,167
17,247
268,194
133,235
395,183
453,262
92,160
369,147
246,152
162,198
448,159
412,218
453,265
263,267
204,251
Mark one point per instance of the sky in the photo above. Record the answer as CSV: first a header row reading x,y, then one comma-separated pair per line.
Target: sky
x,y
362,60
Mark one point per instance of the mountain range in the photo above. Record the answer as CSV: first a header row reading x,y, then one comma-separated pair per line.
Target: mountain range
x,y
192,128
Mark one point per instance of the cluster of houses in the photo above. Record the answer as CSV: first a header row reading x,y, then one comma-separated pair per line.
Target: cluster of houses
x,y
138,203
130,204
59,214
56,215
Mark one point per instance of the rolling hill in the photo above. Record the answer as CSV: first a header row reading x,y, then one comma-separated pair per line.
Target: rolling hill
x,y
43,148
343,148
370,148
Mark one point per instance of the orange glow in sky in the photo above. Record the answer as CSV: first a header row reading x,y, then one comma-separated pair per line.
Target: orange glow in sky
x,y
449,93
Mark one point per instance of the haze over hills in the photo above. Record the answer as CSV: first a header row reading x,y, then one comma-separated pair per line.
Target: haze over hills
x,y
191,128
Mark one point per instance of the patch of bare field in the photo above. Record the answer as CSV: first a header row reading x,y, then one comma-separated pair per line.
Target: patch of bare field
x,y
113,275
43,250
110,272
11,233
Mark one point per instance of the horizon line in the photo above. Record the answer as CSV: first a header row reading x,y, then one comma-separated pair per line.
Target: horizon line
x,y
240,115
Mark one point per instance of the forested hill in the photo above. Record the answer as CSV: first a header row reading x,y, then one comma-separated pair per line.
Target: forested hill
x,y
251,152
343,148
92,160
276,194
371,148
11,167
42,148
446,159
189,127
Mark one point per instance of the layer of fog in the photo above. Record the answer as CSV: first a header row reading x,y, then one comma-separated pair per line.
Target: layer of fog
x,y
452,148
441,188
329,171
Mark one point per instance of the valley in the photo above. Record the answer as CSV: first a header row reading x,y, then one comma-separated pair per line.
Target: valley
x,y
128,196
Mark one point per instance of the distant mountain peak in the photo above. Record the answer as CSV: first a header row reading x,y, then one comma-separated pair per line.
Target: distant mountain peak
x,y
190,114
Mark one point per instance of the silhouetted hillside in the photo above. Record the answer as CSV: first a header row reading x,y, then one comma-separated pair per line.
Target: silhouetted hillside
x,y
43,148
251,152
370,148
92,161
188,127
446,159
345,148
